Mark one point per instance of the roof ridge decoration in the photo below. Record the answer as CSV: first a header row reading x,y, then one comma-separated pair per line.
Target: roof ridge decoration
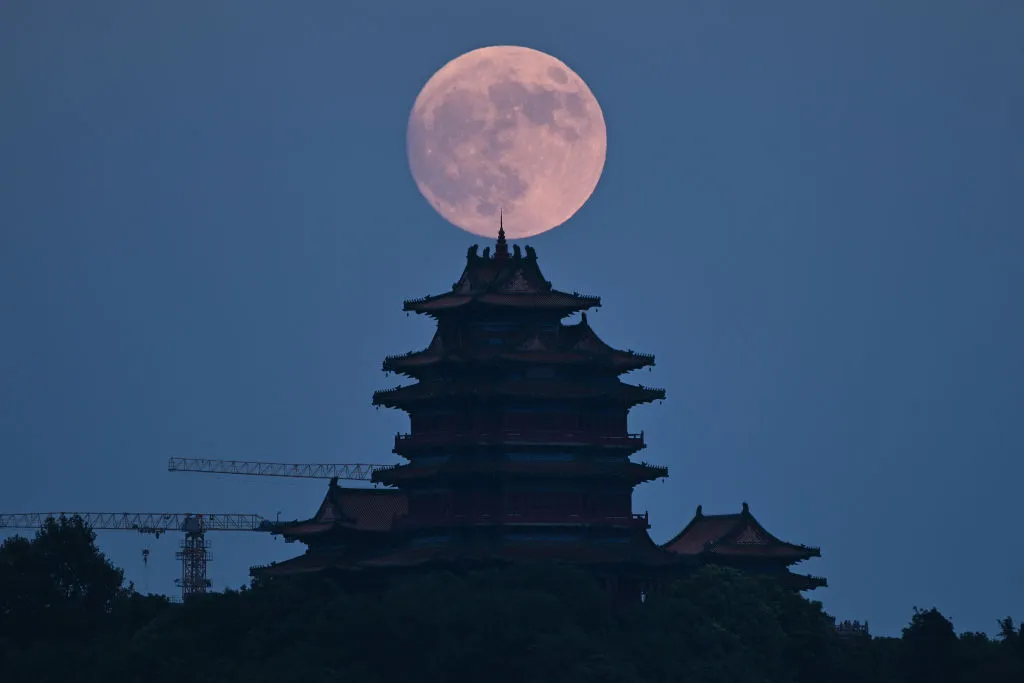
x,y
501,248
328,511
499,280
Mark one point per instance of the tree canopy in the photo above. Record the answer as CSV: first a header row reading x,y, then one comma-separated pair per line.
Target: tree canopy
x,y
66,615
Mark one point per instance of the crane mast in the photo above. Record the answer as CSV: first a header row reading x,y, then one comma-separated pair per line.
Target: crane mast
x,y
354,471
194,552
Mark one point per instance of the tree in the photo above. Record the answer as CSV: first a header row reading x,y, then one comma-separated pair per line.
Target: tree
x,y
723,625
930,650
58,585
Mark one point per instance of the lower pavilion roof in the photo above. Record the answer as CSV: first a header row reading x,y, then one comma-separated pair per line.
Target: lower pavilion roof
x,y
737,536
358,509
534,388
636,549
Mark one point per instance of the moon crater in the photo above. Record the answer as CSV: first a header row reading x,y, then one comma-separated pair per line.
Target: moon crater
x,y
506,129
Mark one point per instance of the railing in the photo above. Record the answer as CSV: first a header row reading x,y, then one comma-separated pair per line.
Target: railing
x,y
533,436
851,628
553,519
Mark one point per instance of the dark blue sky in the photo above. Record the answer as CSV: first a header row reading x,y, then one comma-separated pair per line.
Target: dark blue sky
x,y
811,213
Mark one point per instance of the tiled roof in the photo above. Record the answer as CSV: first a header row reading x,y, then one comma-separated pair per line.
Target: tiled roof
x,y
639,550
734,535
502,280
309,563
361,509
628,393
371,509
700,532
636,471
573,345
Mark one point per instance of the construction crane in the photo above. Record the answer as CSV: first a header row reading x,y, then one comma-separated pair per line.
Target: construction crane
x,y
195,549
356,471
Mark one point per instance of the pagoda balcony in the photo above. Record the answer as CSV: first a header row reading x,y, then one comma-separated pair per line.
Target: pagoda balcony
x,y
633,521
545,437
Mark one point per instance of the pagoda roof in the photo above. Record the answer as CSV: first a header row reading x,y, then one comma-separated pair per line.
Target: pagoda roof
x,y
309,563
502,280
573,345
638,472
637,549
535,388
359,509
803,582
737,536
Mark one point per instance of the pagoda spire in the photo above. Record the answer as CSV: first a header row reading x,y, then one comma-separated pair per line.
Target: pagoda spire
x,y
501,248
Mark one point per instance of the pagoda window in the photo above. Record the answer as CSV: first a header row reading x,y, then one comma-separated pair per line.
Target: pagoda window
x,y
517,420
619,505
540,372
429,540
542,503
462,503
541,457
432,422
543,421
488,502
606,504
573,503
429,505
568,421
606,422
513,503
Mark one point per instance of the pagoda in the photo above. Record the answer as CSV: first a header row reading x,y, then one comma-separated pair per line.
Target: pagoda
x,y
518,449
739,541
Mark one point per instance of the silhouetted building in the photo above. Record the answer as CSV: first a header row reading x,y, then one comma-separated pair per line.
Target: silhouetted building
x,y
739,541
518,450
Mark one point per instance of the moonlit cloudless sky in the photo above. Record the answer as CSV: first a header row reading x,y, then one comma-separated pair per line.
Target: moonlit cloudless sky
x,y
811,213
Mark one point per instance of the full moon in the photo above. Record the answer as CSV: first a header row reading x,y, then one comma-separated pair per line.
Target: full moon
x,y
506,129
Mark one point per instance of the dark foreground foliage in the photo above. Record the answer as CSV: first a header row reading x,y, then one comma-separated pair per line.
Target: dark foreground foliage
x,y
64,616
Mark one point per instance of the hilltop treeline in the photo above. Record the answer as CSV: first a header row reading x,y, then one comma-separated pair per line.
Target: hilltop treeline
x,y
65,616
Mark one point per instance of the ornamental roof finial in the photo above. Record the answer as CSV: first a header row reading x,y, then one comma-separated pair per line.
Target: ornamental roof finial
x,y
501,249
